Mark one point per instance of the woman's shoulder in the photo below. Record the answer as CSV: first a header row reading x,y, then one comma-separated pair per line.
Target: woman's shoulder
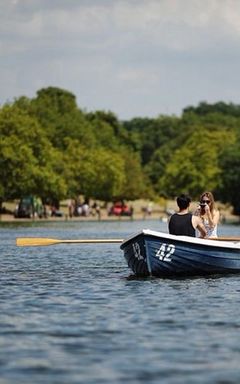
x,y
216,215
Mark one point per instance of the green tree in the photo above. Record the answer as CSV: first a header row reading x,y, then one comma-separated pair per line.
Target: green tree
x,y
137,184
57,112
29,163
220,107
96,173
230,177
153,133
194,167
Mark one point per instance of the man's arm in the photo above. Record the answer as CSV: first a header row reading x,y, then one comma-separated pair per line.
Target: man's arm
x,y
200,227
198,224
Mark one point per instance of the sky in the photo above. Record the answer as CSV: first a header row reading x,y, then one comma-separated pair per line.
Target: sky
x,y
135,58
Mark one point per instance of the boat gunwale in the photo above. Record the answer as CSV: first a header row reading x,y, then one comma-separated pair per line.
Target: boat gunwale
x,y
185,239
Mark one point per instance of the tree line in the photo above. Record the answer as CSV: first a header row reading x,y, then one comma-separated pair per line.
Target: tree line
x,y
53,149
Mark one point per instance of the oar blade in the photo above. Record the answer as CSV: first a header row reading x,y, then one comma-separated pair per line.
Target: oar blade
x,y
35,241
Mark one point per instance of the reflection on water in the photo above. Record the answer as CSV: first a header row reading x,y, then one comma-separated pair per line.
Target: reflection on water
x,y
73,313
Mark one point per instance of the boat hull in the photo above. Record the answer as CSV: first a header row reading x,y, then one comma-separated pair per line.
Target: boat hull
x,y
159,254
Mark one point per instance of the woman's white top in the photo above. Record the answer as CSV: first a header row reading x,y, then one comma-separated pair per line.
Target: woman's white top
x,y
211,231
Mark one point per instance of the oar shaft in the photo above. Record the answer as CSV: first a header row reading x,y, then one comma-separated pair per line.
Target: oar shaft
x,y
224,238
93,241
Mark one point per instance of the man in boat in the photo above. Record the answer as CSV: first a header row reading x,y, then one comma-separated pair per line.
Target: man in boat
x,y
183,223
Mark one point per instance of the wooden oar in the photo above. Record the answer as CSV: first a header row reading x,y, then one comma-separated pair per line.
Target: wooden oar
x,y
38,241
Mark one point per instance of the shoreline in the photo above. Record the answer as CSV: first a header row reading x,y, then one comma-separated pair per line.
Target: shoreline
x,y
10,219
158,211
7,218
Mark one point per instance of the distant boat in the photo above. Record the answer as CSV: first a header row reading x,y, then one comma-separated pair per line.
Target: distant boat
x,y
151,253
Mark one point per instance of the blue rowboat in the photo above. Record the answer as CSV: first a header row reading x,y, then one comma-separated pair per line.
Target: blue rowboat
x,y
151,253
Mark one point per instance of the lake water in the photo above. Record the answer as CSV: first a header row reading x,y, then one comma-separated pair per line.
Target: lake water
x,y
71,314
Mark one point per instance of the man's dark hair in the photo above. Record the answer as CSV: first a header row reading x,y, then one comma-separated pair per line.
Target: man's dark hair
x,y
183,201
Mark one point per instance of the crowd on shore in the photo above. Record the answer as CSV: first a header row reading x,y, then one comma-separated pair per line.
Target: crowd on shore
x,y
93,210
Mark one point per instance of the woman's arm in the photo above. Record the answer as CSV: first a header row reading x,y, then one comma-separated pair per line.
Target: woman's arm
x,y
213,218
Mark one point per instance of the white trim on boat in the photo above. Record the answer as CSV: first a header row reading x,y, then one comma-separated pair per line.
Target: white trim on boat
x,y
186,239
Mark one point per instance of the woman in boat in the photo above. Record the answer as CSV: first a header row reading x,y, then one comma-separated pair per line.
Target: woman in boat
x,y
208,213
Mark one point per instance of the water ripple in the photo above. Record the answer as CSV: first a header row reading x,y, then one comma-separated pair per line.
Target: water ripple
x,y
75,314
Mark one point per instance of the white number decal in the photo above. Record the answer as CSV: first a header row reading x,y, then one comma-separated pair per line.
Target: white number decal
x,y
137,251
165,251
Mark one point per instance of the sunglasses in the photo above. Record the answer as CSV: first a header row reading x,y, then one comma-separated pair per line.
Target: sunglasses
x,y
205,201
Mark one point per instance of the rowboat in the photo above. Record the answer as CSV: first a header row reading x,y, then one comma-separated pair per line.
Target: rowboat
x,y
152,253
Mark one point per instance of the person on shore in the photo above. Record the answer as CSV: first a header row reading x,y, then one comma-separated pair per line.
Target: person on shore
x,y
183,223
96,210
70,207
208,214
